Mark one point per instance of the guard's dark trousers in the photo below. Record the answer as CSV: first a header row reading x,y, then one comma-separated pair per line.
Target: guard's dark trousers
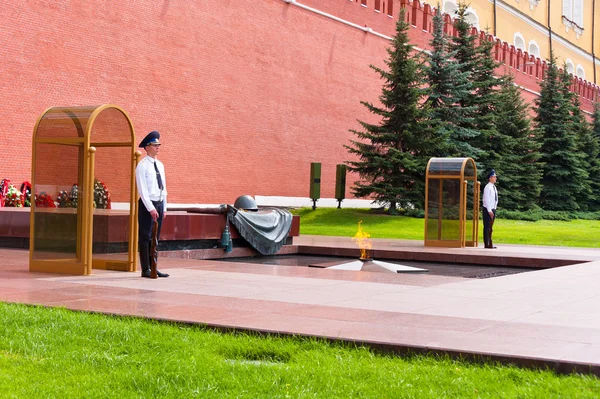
x,y
145,233
488,223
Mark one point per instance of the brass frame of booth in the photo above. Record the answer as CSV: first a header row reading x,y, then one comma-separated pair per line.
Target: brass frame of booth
x,y
66,145
450,184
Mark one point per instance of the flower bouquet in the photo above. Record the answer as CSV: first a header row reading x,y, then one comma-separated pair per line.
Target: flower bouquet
x,y
4,184
44,200
26,192
74,196
64,199
13,197
101,195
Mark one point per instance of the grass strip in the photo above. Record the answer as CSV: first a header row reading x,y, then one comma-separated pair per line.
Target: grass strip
x,y
57,353
344,223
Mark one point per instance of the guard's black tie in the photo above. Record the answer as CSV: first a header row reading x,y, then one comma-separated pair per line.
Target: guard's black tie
x,y
158,178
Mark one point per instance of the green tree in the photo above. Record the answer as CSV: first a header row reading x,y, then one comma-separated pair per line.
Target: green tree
x,y
449,88
587,148
475,56
392,155
486,86
520,172
579,128
594,172
562,175
463,48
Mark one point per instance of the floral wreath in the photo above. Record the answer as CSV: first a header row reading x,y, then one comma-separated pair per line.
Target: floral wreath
x,y
4,185
13,197
65,198
44,200
101,195
26,193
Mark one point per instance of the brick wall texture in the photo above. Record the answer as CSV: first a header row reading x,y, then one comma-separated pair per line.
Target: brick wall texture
x,y
245,93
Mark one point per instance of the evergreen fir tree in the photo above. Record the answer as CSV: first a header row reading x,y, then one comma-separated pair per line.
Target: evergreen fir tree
x,y
562,176
393,155
463,48
579,128
520,172
586,144
485,99
464,44
594,172
477,59
449,87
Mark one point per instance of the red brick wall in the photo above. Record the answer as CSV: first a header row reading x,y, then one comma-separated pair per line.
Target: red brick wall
x,y
246,93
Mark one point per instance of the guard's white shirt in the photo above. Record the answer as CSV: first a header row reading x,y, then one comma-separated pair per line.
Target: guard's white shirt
x,y
147,184
490,197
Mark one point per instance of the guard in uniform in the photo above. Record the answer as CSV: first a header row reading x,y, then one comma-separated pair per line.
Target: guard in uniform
x,y
490,202
152,187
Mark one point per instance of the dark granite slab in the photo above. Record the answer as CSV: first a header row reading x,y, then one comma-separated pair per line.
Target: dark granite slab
x,y
180,230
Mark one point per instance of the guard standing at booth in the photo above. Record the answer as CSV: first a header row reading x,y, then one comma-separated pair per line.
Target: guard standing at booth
x,y
152,187
490,203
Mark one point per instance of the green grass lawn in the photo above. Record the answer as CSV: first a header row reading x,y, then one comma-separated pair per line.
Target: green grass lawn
x,y
344,222
56,353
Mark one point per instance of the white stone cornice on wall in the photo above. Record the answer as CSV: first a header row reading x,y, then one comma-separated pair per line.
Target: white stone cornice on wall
x,y
570,24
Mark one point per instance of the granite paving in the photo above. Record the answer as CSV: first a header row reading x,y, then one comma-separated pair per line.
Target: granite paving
x,y
542,318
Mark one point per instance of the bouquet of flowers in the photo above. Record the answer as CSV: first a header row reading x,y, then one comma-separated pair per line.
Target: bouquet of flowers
x,y
74,196
64,199
101,195
26,191
13,197
44,200
4,184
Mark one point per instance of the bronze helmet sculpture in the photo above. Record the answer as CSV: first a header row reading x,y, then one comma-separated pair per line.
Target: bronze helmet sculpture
x,y
246,203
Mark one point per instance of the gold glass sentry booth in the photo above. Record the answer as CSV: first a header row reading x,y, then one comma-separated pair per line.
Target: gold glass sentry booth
x,y
451,203
76,151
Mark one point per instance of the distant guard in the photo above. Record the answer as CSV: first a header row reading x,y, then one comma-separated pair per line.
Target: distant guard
x,y
490,202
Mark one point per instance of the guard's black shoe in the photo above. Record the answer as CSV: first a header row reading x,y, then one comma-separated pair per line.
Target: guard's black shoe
x,y
146,273
161,274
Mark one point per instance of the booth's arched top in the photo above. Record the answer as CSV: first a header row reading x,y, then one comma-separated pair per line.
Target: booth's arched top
x,y
97,124
459,168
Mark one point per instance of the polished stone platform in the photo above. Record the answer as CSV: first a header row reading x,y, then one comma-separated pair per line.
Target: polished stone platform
x,y
545,318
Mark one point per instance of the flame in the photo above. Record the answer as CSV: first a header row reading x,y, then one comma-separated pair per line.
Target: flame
x,y
363,240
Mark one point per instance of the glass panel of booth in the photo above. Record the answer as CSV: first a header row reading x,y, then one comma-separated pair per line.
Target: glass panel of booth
x,y
469,169
446,166
59,189
450,220
64,122
443,209
112,192
470,230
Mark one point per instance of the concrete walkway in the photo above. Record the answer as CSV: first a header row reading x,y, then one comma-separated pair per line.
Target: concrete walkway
x,y
546,318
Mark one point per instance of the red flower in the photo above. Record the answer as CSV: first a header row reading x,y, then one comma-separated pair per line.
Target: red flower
x,y
44,200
